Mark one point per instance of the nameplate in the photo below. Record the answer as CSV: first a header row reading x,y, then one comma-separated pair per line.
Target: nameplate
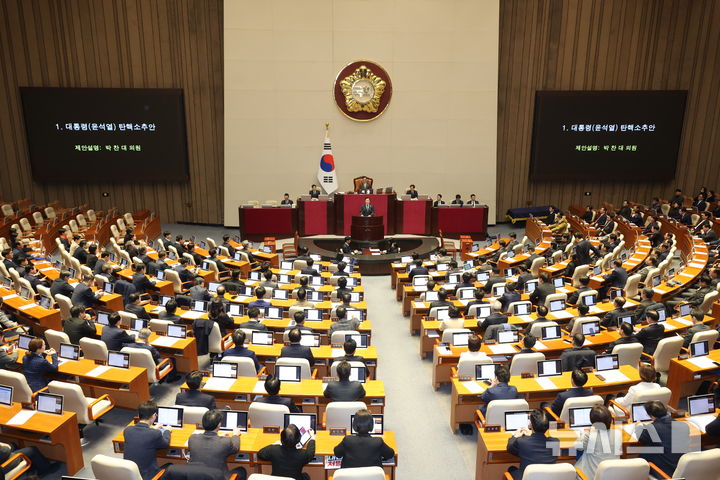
x,y
338,432
492,428
327,379
271,429
490,342
527,375
678,413
465,378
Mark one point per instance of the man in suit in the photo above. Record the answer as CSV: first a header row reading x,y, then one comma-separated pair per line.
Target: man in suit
x,y
524,276
287,460
309,270
286,200
412,192
142,440
545,287
473,202
272,387
602,218
193,397
80,252
612,317
343,390
499,388
199,292
158,265
577,356
418,269
82,295
458,201
575,296
695,298
61,285
365,187
438,201
141,283
79,325
442,300
496,317
678,197
169,313
268,280
616,279
646,303
698,326
100,263
211,449
185,274
234,283
113,336
295,350
143,342
669,438
479,298
578,379
705,219
655,236
367,209
314,191
652,334
627,335
239,349
135,307
91,258
260,301
350,347
650,264
532,446
542,312
510,296
343,323
708,235
467,281
253,323
226,244
583,248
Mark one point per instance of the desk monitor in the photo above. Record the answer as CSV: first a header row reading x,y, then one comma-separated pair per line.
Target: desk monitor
x,y
177,331
160,275
45,302
530,286
205,265
24,341
454,278
638,413
549,261
475,247
557,305
685,309
517,420
305,423
352,281
7,283
522,309
103,318
225,370
701,404
118,359
69,351
286,265
355,297
311,340
625,319
170,416
317,281
579,417
508,336
698,349
550,333
354,314
589,300
213,286
378,423
236,310
406,259
549,368
50,403
485,371
558,282
362,340
267,248
25,293
245,291
232,419
314,296
203,244
288,373
283,279
171,255
6,395
199,306
254,275
261,338
498,290
313,314
591,328
108,287
483,310
662,314
466,294
482,277
655,280
597,270
358,374
73,272
460,339
273,313
607,362
510,254
442,267
431,296
280,294
420,281
138,324
442,313
509,272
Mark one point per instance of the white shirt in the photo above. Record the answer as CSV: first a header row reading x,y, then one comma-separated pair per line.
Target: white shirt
x,y
452,323
472,356
633,391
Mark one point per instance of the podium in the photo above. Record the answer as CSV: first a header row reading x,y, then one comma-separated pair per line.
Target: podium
x,y
367,229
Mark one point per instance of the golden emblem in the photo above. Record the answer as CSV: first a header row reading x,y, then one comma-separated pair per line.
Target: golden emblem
x,y
362,90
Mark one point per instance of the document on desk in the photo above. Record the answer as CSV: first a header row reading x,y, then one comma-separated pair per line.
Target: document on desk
x,y
540,346
21,417
686,275
192,314
696,265
219,384
703,362
666,325
28,306
97,371
614,376
419,304
420,288
498,349
259,387
561,314
701,421
595,310
337,352
8,297
526,318
546,383
473,387
683,321
164,341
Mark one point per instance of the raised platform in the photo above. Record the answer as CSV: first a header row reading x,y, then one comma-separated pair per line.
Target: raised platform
x,y
368,264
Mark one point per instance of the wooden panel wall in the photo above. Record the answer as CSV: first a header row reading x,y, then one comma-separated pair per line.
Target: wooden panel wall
x,y
607,45
118,43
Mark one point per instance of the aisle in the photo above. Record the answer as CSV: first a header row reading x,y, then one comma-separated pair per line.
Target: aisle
x,y
419,415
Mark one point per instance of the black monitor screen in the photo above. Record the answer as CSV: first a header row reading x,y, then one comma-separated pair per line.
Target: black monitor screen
x,y
95,134
606,135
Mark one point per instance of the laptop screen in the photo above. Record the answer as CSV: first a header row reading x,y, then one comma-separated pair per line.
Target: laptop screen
x,y
283,278
68,351
482,277
6,394
225,370
213,286
288,373
579,417
655,280
698,349
353,314
164,299
286,265
607,362
454,278
317,281
119,359
24,341
442,267
550,333
530,286
701,404
199,306
49,403
406,259
315,296
549,368
160,274
685,309
662,314
279,294
591,328
522,309
557,305
498,290
255,275
442,313
273,313
313,314
45,302
305,423
358,374
467,294
261,338
420,281
431,296
507,336
589,300
103,318
236,310
460,339
232,419
639,414
170,416
517,420
485,371
138,324
625,319
482,311
378,424
177,331
558,282
509,272
311,340
362,340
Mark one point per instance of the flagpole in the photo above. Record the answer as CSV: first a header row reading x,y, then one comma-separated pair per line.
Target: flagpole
x,y
327,128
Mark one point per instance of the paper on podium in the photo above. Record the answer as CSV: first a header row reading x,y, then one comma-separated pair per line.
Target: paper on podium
x,y
97,371
546,383
613,376
259,387
219,384
21,417
164,341
498,349
473,387
703,362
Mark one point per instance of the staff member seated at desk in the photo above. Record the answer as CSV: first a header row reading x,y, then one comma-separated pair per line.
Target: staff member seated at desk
x,y
211,449
234,283
532,446
499,388
542,312
577,356
142,440
479,298
295,350
360,449
314,192
652,334
134,306
286,200
194,397
79,325
367,209
698,326
438,201
309,270
495,318
36,367
412,192
458,201
598,443
418,269
299,318
239,349
272,387
288,460
113,336
611,318
669,438
268,281
343,390
578,379
648,377
349,347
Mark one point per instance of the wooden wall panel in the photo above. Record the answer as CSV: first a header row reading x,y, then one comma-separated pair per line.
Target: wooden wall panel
x,y
607,45
118,43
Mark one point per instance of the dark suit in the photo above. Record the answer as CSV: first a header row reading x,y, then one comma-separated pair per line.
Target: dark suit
x,y
650,336
212,450
710,236
620,341
288,462
83,296
278,400
559,402
35,367
253,325
501,391
314,193
153,351
674,441
172,317
77,328
611,318
617,278
367,210
531,449
198,292
97,269
713,428
363,451
295,350
115,337
507,298
62,287
577,357
700,327
243,352
573,298
141,442
643,307
81,255
583,249
522,279
141,283
309,271
195,398
192,471
344,391
539,295
138,310
418,271
495,318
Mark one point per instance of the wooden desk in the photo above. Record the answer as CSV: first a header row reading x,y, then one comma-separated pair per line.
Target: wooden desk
x,y
268,354
56,436
684,376
34,315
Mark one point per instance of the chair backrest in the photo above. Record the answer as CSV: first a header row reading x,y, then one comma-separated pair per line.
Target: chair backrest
x,y
129,220
246,366
267,414
448,333
21,389
579,402
55,338
651,273
74,399
38,218
557,471
159,326
45,291
584,294
225,251
631,286
629,353
81,219
536,329
667,349
353,363
26,283
174,277
710,335
299,264
338,414
50,212
495,414
605,262
536,265
73,225
579,272
15,277
127,318
121,224
193,415
190,258
211,243
64,304
25,225
114,468
466,366
262,476
525,362
115,232
305,372
661,394
555,296
7,210
625,468
707,303
94,349
360,473
705,464
580,321
338,336
511,305
140,357
91,215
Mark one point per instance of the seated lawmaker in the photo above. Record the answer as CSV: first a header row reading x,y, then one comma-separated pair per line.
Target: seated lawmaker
x,y
286,459
79,325
648,378
578,379
361,449
295,349
367,209
418,269
499,388
143,341
36,366
531,445
454,320
343,390
627,335
211,449
142,440
670,438
577,356
169,313
342,322
193,397
239,350
253,323
349,347
83,296
114,336
135,307
651,335
272,387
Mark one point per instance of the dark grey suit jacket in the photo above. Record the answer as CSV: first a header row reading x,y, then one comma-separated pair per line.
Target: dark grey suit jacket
x,y
141,442
344,391
212,450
